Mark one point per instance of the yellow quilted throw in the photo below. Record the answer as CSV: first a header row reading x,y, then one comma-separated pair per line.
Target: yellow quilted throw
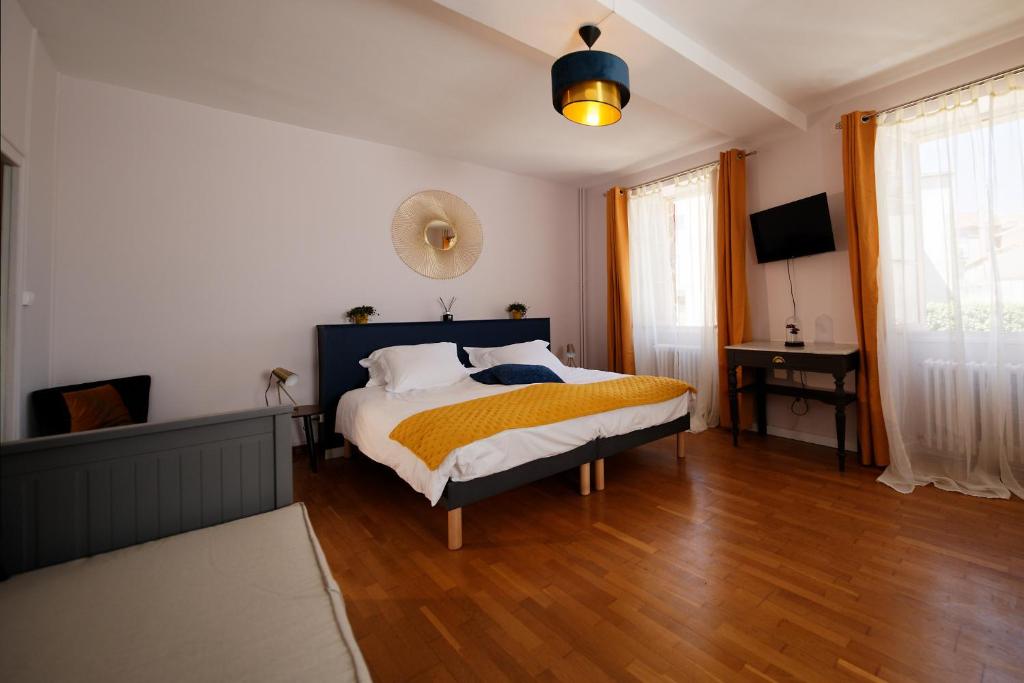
x,y
435,433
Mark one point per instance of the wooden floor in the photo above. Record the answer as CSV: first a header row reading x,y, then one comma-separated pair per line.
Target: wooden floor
x,y
760,563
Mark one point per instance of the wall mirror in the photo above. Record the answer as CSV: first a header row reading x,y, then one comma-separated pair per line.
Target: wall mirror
x,y
437,234
440,235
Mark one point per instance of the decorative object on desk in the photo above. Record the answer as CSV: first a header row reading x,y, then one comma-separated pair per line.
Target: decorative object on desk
x,y
285,378
447,317
437,234
360,315
570,356
516,310
793,336
824,329
590,87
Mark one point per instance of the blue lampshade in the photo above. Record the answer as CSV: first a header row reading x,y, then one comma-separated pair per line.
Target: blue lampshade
x,y
590,87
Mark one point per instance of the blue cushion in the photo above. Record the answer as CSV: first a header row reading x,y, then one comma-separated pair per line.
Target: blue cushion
x,y
511,373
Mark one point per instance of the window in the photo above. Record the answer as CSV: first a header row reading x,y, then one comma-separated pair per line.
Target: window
x,y
672,273
950,181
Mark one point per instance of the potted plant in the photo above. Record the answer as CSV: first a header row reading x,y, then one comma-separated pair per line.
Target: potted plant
x,y
517,310
360,315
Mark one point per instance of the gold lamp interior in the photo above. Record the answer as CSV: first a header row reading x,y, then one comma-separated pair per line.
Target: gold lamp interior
x,y
592,103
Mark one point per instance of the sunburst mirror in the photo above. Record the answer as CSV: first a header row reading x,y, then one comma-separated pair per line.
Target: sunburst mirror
x,y
437,234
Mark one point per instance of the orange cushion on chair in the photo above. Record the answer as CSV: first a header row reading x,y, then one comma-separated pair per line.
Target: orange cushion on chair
x,y
96,408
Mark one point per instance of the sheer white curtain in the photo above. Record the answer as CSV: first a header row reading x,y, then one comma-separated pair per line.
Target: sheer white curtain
x,y
950,176
672,280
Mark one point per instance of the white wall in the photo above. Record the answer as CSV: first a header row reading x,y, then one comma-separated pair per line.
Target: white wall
x,y
28,102
202,246
787,167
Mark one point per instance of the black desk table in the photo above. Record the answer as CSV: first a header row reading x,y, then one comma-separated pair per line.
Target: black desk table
x,y
762,356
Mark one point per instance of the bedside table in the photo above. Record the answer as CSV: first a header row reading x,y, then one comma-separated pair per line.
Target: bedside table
x,y
306,414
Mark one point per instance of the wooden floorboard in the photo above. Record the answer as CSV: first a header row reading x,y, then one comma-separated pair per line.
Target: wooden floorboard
x,y
760,564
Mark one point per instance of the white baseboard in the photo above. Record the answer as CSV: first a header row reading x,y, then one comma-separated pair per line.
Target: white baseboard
x,y
803,436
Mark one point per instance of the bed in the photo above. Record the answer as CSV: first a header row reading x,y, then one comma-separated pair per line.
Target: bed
x,y
166,552
505,461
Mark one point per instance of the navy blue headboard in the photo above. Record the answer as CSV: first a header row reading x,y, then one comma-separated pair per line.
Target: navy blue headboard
x,y
341,347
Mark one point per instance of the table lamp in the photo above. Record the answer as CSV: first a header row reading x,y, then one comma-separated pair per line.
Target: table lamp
x,y
285,378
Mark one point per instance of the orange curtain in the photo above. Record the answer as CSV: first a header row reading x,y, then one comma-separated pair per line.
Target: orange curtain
x,y
731,251
620,310
862,228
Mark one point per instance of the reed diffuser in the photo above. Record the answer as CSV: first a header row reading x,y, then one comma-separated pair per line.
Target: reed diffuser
x,y
447,317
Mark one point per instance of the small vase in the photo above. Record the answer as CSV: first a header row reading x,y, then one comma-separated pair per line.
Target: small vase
x,y
447,317
361,319
517,315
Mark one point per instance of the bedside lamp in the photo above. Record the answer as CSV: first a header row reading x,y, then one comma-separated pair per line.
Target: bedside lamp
x,y
285,378
570,356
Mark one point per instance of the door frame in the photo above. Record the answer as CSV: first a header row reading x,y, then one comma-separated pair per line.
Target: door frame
x,y
10,392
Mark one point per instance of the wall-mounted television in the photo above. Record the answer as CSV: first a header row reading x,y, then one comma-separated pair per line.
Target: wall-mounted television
x,y
799,228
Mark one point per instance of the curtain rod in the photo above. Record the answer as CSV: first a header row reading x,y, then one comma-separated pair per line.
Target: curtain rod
x,y
743,155
947,91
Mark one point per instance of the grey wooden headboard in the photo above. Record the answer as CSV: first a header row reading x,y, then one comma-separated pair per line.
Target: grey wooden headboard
x,y
74,495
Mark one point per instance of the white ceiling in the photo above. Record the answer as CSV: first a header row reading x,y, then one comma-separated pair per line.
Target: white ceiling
x,y
469,79
804,50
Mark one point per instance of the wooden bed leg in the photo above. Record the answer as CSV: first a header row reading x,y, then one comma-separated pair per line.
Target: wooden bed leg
x,y
680,446
585,479
347,449
599,474
455,529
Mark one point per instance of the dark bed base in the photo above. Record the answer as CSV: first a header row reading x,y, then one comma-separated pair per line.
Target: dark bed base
x,y
341,347
458,494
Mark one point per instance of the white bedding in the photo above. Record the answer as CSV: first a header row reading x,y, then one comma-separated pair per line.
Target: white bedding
x,y
367,416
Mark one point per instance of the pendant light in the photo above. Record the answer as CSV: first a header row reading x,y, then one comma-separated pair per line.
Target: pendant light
x,y
590,87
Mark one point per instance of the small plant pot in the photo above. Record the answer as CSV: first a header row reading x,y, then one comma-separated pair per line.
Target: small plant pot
x,y
517,315
360,319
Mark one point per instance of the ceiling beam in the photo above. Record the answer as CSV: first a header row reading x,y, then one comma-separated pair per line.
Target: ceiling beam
x,y
667,67
671,37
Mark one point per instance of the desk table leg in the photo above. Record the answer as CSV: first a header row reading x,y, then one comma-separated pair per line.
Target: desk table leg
x,y
734,405
840,420
762,401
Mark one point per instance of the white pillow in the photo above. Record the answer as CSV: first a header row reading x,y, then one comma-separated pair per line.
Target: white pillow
x,y
527,353
416,366
477,355
377,376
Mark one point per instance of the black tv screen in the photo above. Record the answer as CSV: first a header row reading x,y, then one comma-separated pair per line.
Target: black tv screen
x,y
799,228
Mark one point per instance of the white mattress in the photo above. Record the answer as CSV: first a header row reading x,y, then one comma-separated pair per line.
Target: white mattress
x,y
249,600
367,416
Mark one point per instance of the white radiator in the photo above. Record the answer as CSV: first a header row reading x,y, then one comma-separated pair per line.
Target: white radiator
x,y
680,362
957,394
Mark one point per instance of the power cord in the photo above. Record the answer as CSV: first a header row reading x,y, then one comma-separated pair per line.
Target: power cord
x,y
789,272
800,399
793,407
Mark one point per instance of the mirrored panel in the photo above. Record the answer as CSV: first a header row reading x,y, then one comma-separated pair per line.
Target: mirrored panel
x,y
440,235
